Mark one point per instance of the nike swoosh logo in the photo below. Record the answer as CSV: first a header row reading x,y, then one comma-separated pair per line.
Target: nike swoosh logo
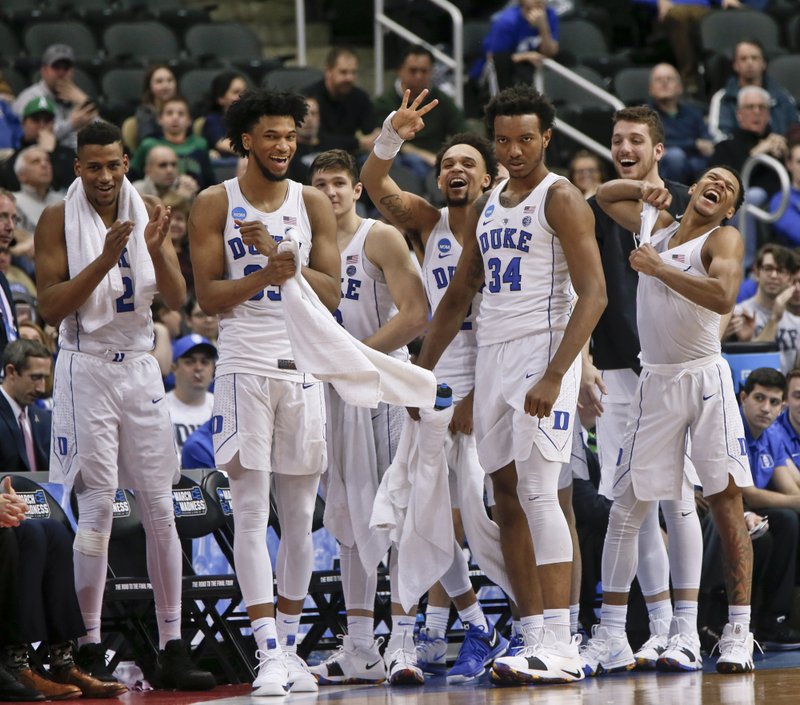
x,y
486,222
706,398
529,375
574,674
170,621
688,268
685,514
531,499
446,254
155,401
261,627
372,665
307,385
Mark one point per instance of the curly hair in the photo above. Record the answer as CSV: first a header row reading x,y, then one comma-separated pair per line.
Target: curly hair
x,y
520,100
252,105
481,144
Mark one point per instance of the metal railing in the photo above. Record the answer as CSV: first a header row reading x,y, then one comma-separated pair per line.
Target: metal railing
x,y
384,24
300,24
786,186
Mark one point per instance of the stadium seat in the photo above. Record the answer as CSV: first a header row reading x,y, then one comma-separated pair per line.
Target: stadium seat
x,y
632,85
141,43
292,78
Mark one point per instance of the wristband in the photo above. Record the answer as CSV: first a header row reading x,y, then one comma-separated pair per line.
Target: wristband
x,y
388,142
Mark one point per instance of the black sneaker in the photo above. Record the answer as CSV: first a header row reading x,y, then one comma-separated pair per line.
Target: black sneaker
x,y
175,669
92,659
777,635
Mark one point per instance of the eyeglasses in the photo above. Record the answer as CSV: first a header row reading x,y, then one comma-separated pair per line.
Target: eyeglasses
x,y
164,165
772,269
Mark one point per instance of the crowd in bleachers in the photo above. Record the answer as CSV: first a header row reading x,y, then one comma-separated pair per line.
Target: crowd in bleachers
x,y
166,75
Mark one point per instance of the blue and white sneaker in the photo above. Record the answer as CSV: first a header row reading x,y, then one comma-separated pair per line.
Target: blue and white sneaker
x,y
431,652
515,644
477,652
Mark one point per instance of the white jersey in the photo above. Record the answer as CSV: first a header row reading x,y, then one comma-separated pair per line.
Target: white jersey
x,y
672,329
787,332
252,336
187,418
456,367
130,331
366,303
527,287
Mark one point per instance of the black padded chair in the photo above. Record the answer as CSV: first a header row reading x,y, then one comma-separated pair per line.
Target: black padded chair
x,y
41,504
292,78
632,84
228,44
141,43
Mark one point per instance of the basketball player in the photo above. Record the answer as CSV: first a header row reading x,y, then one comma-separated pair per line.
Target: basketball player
x,y
269,420
530,240
383,305
691,272
111,425
465,168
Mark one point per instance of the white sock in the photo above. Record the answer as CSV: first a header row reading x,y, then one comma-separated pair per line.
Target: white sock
x,y
739,614
437,619
361,631
287,626
531,629
659,611
613,618
474,615
557,621
169,625
402,627
265,633
574,611
686,610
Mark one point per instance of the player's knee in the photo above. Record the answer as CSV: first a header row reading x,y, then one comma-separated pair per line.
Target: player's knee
x,y
91,542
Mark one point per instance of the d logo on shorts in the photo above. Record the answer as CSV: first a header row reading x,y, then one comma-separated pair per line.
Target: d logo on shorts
x,y
560,420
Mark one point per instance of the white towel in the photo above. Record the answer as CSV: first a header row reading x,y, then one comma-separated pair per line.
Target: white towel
x,y
649,216
413,504
321,347
85,235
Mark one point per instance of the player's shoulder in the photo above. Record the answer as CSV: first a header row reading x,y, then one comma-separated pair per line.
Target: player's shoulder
x,y
213,196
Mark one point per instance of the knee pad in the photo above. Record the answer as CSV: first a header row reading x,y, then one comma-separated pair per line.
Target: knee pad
x,y
91,542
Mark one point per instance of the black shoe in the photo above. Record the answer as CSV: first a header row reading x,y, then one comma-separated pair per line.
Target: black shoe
x,y
175,669
777,635
92,659
11,690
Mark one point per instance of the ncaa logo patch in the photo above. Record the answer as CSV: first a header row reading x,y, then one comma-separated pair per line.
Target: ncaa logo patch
x,y
445,246
351,270
488,211
238,213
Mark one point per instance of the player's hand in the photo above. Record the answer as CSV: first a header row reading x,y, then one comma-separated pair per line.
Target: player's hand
x,y
591,383
116,240
657,196
280,268
413,412
255,233
407,121
462,416
157,228
742,325
646,260
541,396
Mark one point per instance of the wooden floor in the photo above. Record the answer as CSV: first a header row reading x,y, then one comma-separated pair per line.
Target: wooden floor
x,y
768,686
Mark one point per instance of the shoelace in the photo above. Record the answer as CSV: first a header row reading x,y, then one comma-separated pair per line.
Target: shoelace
x,y
265,658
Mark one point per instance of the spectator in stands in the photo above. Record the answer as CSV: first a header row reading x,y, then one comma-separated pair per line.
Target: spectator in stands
x,y
192,151
225,88
586,172
787,228
161,175
198,451
160,84
38,122
24,428
414,75
74,108
35,174
687,140
199,321
750,68
520,35
752,136
8,314
178,232
307,144
346,116
190,403
789,419
17,278
766,316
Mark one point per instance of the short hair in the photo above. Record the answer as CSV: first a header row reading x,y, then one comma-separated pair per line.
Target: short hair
x,y
644,115
783,256
767,377
335,53
335,160
793,374
177,202
17,353
252,105
8,194
749,40
415,50
100,133
583,154
177,98
520,100
19,162
737,176
481,144
752,90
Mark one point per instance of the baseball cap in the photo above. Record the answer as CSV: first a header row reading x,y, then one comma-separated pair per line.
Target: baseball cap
x,y
188,343
58,52
39,105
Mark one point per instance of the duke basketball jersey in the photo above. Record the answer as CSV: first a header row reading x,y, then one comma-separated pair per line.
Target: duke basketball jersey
x,y
527,286
673,329
456,366
366,303
130,331
252,336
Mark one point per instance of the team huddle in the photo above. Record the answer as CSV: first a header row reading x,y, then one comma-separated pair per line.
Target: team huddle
x,y
512,272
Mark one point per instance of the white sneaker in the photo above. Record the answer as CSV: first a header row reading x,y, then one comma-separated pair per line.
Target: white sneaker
x,y
606,652
401,663
272,678
431,652
649,653
683,650
351,665
301,680
735,650
549,661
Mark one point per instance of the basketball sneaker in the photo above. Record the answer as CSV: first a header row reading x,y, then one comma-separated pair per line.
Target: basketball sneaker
x,y
683,650
606,652
651,650
479,649
735,650
549,661
431,652
401,663
352,665
301,680
273,677
515,644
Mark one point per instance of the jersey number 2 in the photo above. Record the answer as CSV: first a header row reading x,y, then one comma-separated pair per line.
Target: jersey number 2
x,y
125,302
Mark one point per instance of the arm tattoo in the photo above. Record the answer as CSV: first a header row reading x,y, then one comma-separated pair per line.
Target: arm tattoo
x,y
398,211
475,272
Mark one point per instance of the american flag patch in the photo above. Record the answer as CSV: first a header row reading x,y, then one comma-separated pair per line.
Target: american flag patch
x,y
679,258
289,220
351,259
529,209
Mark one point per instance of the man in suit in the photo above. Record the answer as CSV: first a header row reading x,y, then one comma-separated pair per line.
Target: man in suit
x,y
24,428
8,315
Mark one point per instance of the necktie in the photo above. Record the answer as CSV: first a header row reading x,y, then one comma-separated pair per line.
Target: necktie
x,y
25,425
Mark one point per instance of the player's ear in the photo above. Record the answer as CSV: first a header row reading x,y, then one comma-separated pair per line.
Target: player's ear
x,y
358,189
